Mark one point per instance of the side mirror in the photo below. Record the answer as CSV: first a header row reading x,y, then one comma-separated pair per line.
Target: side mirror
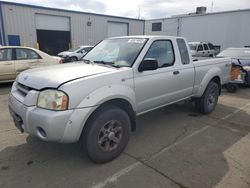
x,y
148,64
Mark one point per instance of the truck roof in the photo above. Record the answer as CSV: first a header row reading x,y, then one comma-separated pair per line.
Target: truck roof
x,y
148,37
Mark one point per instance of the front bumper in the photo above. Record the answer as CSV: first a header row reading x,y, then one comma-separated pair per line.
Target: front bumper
x,y
57,126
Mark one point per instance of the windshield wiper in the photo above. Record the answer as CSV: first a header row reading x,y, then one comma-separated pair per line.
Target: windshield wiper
x,y
86,61
108,63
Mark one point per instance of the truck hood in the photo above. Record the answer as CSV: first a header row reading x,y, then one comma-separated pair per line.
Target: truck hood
x,y
54,76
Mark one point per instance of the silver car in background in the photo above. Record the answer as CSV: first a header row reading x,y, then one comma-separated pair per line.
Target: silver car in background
x,y
75,54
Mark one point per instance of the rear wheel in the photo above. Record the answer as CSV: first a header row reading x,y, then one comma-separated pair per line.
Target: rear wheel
x,y
208,101
107,134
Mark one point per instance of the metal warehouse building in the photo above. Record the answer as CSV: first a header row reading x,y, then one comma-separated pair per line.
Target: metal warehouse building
x,y
223,29
55,30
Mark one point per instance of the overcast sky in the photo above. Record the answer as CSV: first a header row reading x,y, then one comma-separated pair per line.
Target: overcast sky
x,y
146,9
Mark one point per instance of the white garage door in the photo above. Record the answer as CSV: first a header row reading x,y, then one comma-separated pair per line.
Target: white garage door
x,y
117,29
48,22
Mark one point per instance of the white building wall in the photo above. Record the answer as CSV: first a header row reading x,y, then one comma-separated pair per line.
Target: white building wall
x,y
169,27
228,29
20,20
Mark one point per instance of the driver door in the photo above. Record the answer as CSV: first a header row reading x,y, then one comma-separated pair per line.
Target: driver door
x,y
200,51
155,88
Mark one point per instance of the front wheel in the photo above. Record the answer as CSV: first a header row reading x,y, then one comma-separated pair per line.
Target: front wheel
x,y
107,134
73,59
208,101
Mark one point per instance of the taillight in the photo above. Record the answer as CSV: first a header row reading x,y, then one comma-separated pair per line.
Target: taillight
x,y
61,61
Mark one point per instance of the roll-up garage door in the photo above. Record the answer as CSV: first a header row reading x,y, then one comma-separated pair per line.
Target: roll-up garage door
x,y
50,22
117,29
53,33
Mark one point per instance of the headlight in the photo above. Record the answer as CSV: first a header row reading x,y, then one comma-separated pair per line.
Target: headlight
x,y
53,100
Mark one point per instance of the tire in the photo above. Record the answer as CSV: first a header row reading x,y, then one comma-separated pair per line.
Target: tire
x,y
107,134
232,88
208,101
73,59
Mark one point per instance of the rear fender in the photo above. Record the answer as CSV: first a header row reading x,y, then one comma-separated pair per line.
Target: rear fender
x,y
211,74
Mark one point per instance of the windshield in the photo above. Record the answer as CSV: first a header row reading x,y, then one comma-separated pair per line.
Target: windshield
x,y
74,49
119,52
236,53
192,46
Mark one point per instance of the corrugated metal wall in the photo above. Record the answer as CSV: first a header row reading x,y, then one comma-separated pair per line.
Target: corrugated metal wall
x,y
229,29
2,39
20,20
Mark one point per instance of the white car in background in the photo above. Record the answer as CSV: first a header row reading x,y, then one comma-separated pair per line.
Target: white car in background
x,y
201,49
75,54
15,59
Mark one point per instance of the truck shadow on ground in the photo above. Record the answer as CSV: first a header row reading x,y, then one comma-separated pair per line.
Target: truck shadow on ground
x,y
197,162
242,92
5,88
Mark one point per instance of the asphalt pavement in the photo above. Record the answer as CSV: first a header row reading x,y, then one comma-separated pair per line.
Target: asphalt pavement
x,y
173,147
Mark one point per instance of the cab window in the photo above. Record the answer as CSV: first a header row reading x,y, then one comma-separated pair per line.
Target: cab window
x,y
205,46
211,46
163,52
25,54
200,48
183,51
5,55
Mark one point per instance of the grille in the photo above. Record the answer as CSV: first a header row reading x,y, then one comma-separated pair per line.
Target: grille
x,y
23,89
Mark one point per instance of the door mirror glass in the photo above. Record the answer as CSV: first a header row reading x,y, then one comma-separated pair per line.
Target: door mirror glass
x,y
148,64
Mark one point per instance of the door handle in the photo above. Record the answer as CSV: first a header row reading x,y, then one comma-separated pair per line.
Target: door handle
x,y
33,62
8,64
176,72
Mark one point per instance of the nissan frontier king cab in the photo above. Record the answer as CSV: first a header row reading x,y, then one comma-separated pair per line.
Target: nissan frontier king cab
x,y
96,101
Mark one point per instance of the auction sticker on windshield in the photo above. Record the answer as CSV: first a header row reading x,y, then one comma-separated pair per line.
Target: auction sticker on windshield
x,y
136,40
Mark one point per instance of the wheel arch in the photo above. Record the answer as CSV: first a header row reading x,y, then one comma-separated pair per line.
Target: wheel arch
x,y
212,75
118,102
217,80
73,56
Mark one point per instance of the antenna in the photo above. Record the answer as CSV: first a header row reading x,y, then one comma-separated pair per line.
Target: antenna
x,y
139,12
212,6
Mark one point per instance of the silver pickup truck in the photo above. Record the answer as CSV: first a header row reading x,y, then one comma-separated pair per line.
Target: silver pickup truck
x,y
97,100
